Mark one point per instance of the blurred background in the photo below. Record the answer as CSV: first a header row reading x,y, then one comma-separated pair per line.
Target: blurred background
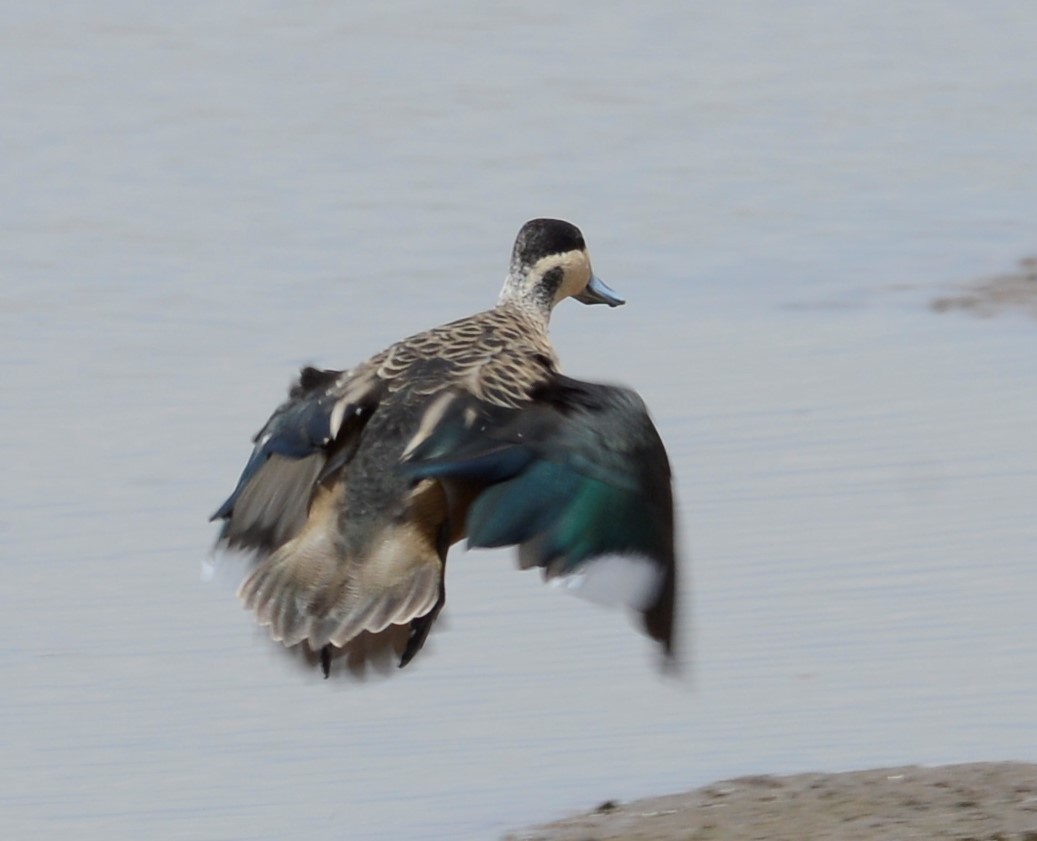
x,y
200,197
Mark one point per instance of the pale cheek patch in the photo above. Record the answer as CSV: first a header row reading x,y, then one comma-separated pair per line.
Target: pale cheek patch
x,y
631,580
576,272
577,275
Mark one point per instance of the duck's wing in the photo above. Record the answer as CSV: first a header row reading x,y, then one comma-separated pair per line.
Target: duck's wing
x,y
350,555
307,439
578,478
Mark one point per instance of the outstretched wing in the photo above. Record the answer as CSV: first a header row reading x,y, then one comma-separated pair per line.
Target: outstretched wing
x,y
308,438
579,479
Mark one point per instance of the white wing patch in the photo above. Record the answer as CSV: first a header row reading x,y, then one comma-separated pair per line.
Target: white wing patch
x,y
337,416
631,580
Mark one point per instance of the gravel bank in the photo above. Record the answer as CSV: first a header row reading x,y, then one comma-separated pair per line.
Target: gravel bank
x,y
978,802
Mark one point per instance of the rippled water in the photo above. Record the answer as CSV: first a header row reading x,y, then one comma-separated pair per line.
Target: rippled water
x,y
199,199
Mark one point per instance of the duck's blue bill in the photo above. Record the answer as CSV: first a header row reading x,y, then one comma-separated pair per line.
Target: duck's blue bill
x,y
598,293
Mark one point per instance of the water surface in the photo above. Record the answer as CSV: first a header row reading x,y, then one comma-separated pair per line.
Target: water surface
x,y
199,201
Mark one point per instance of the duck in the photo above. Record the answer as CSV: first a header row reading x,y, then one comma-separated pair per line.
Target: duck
x,y
362,479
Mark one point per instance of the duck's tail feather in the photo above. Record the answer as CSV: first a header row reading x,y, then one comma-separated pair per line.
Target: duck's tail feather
x,y
312,591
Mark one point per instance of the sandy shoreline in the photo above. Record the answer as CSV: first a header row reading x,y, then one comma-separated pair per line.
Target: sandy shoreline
x,y
985,801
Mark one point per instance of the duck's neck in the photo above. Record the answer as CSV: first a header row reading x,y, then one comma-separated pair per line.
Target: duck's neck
x,y
523,293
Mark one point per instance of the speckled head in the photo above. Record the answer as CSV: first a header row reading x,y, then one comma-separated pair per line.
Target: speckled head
x,y
550,263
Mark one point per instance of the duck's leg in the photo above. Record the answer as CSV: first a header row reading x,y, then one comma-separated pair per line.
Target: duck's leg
x,y
420,627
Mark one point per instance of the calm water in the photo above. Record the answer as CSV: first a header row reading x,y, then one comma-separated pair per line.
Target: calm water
x,y
193,207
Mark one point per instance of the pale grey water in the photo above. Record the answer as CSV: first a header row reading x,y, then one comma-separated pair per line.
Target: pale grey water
x,y
199,197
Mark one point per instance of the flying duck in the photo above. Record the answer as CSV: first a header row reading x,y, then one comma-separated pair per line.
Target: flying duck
x,y
361,481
